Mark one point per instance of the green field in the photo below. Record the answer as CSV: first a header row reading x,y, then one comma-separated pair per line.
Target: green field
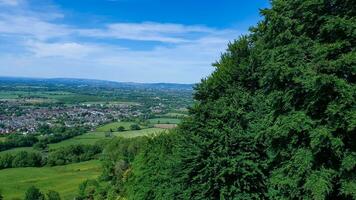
x,y
37,94
164,120
176,115
63,179
87,138
143,132
92,137
113,126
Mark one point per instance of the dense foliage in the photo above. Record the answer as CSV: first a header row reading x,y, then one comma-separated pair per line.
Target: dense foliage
x,y
117,158
276,119
49,135
34,193
73,154
21,159
16,140
61,156
60,133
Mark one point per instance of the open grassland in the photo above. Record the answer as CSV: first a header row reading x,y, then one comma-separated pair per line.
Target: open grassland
x,y
92,138
176,115
165,126
137,133
87,138
63,179
164,121
113,126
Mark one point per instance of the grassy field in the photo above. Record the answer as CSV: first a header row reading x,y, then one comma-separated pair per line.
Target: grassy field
x,y
173,114
41,94
92,137
165,126
164,121
63,179
113,126
87,138
143,132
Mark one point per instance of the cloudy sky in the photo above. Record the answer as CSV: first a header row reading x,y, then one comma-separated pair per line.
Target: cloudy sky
x,y
120,40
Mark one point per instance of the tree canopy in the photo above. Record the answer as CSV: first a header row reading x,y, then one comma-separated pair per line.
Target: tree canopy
x,y
275,120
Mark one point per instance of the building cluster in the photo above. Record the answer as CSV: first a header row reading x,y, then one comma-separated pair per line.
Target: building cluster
x,y
15,117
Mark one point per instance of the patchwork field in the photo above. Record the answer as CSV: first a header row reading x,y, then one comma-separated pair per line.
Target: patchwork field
x,y
64,179
59,96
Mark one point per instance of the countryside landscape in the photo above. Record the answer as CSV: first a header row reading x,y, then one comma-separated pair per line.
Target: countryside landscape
x,y
177,100
54,130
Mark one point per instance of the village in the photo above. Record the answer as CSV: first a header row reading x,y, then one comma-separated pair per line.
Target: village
x,y
16,117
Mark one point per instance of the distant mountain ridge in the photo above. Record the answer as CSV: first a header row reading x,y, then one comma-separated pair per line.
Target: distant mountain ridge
x,y
93,83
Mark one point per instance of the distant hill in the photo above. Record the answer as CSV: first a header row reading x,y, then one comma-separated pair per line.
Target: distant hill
x,y
93,83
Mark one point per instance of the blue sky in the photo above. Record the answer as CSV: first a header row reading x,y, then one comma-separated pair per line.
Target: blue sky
x,y
120,40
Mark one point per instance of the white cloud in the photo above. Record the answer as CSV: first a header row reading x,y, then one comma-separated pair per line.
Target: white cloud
x,y
67,49
147,31
28,26
10,2
184,52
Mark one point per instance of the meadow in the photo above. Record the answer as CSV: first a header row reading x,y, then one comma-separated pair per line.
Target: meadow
x,y
164,120
113,126
174,115
93,137
64,179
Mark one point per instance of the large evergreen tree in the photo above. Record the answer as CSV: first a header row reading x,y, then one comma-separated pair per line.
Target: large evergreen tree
x,y
275,120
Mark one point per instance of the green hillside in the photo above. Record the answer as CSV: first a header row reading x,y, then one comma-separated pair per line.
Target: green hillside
x,y
64,179
275,120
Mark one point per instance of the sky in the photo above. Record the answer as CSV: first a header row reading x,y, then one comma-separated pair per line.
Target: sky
x,y
173,41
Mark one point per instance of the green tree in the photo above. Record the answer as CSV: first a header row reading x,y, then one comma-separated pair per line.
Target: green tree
x,y
53,195
121,128
135,127
275,120
33,193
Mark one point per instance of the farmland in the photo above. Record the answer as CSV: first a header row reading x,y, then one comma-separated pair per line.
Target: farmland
x,y
64,179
